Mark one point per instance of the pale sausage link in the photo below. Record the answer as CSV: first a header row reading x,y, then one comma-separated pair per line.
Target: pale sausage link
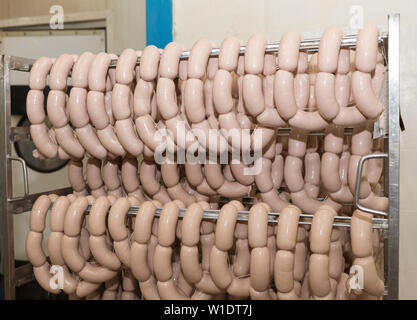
x,y
260,276
118,230
98,240
69,245
178,127
224,105
336,260
366,59
46,146
168,108
322,286
99,103
56,223
195,113
130,178
252,89
94,179
121,102
193,271
328,57
289,59
56,107
331,91
35,252
264,179
312,167
148,175
300,259
34,249
349,114
297,144
77,103
286,275
220,270
145,98
111,178
223,92
76,177
212,141
361,241
163,252
334,165
140,251
362,145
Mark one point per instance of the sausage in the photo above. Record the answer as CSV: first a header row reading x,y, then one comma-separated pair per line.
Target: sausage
x,y
257,226
126,63
287,227
139,252
254,54
229,52
35,106
149,63
163,251
75,175
97,229
34,249
39,72
328,56
364,95
289,47
118,230
366,48
59,72
321,229
70,241
319,275
198,59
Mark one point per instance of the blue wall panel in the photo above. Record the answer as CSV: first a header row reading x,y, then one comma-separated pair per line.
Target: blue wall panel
x,y
158,22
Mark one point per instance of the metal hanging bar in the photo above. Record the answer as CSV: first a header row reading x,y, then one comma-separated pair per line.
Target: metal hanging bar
x,y
305,219
310,45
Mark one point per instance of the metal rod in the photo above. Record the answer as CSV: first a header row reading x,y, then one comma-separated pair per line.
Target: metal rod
x,y
212,214
22,133
358,183
311,45
23,205
392,247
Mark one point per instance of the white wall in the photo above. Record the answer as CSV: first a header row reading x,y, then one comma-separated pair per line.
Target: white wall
x,y
217,19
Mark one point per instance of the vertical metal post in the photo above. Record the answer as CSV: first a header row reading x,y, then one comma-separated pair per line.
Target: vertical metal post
x,y
6,222
392,244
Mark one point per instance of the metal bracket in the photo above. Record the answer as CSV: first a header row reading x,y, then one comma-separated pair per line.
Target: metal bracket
x,y
358,183
25,178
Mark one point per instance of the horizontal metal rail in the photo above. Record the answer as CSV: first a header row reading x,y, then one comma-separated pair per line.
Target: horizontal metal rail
x,y
305,219
310,45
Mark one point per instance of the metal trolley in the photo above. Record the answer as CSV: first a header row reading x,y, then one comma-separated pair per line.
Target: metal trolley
x,y
14,277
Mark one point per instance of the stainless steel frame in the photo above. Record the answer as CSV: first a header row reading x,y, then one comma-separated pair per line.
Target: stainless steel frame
x,y
17,276
393,182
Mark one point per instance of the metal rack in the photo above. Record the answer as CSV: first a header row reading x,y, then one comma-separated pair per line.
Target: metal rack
x,y
14,277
